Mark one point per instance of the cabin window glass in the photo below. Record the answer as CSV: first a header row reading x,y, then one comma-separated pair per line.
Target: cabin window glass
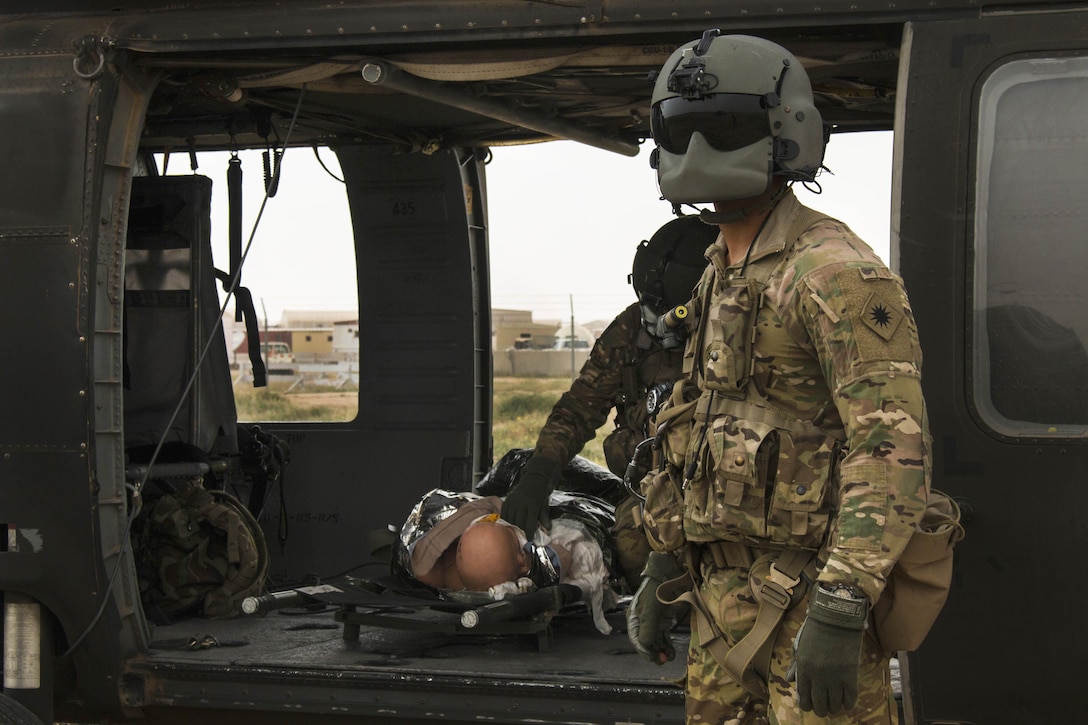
x,y
300,272
1031,249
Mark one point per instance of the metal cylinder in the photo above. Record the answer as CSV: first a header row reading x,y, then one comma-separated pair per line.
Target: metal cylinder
x,y
275,600
676,316
22,643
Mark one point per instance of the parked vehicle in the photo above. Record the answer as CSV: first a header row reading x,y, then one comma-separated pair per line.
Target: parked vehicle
x,y
277,352
568,343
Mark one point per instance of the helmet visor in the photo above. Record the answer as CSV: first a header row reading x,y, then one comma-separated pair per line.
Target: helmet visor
x,y
728,121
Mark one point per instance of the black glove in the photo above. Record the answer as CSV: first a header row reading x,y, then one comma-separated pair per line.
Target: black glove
x,y
827,651
526,505
649,619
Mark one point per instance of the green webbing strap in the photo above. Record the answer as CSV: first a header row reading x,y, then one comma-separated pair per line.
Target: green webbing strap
x,y
748,662
751,656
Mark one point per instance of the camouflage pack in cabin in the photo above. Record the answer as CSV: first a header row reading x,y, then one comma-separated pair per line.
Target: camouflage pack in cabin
x,y
200,552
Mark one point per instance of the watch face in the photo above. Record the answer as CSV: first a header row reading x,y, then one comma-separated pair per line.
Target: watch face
x,y
841,591
656,396
651,401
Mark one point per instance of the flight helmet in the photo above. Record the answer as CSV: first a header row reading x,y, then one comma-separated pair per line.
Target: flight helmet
x,y
667,267
730,113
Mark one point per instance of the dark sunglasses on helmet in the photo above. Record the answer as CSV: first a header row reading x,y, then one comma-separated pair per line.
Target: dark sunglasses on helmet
x,y
728,121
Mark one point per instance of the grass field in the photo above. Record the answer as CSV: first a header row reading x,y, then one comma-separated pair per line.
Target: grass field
x,y
274,402
521,406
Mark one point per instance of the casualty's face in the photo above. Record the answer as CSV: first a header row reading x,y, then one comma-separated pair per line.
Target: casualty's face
x,y
490,553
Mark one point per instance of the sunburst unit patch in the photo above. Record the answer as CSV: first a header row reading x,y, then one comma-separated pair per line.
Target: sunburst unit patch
x,y
873,299
881,316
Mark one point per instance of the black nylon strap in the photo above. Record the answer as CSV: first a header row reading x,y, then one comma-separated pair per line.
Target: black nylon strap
x,y
244,303
234,221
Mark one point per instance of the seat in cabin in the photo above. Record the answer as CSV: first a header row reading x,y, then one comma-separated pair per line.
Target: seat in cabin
x,y
171,314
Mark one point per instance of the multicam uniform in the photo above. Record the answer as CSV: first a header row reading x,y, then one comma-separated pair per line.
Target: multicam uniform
x,y
809,433
624,364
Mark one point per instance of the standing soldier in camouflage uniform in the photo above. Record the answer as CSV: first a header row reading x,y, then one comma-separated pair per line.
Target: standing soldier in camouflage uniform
x,y
626,363
804,468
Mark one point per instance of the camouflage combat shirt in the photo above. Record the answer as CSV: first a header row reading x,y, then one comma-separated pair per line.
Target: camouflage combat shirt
x,y
624,364
830,346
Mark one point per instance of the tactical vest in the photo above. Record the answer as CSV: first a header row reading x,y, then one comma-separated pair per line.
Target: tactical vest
x,y
749,473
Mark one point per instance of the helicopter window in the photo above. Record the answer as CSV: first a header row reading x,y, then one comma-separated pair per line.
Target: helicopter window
x,y
299,267
1030,301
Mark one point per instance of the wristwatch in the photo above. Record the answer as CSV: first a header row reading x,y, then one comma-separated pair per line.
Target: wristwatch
x,y
839,604
841,591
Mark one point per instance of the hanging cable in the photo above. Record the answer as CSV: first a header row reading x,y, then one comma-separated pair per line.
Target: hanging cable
x,y
327,169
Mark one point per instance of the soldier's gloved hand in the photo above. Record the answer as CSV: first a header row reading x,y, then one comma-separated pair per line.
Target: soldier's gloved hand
x,y
649,619
827,651
526,506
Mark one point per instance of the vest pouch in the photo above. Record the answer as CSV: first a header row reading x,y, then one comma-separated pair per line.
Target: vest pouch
x,y
740,460
663,511
800,510
727,350
674,423
674,444
618,448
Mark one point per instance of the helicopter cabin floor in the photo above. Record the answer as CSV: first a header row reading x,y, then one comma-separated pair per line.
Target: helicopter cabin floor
x,y
303,661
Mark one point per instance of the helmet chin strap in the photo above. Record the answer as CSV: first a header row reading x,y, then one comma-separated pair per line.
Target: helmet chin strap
x,y
714,217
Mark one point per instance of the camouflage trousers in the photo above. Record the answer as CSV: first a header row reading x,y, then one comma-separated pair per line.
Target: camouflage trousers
x,y
713,698
632,548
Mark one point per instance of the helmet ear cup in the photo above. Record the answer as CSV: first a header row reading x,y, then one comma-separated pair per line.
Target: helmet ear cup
x,y
667,267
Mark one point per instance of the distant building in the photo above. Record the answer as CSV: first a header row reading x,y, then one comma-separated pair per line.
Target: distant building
x,y
345,340
332,335
272,334
298,319
311,335
516,329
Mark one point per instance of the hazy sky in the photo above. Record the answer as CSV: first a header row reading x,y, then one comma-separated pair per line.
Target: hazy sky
x,y
564,219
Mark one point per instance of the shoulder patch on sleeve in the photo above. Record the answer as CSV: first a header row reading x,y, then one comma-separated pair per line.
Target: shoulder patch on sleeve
x,y
880,316
873,297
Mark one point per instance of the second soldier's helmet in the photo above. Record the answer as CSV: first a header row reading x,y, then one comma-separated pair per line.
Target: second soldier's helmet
x,y
667,266
729,114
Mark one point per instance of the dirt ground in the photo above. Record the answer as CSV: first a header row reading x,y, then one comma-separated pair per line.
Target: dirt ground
x,y
346,403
